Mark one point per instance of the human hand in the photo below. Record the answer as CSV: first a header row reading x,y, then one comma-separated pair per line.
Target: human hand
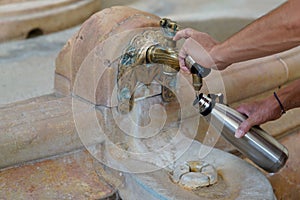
x,y
199,46
258,112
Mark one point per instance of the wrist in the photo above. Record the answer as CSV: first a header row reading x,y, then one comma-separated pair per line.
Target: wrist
x,y
274,106
279,103
219,56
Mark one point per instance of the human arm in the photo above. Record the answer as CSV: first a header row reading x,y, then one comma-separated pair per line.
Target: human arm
x,y
268,109
276,31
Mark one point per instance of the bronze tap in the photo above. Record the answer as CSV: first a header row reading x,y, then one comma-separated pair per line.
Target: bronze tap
x,y
160,55
153,47
169,56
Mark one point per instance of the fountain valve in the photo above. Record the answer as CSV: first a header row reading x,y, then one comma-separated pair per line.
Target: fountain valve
x,y
198,72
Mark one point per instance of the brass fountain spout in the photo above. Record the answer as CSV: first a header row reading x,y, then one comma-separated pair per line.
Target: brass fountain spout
x,y
160,55
169,56
152,55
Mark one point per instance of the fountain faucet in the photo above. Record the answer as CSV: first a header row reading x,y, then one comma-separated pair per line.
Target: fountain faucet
x,y
156,53
168,55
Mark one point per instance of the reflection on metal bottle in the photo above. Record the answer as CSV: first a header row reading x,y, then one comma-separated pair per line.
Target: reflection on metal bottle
x,y
257,145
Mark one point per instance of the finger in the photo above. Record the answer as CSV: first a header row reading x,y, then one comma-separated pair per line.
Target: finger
x,y
244,109
244,128
183,53
185,33
182,64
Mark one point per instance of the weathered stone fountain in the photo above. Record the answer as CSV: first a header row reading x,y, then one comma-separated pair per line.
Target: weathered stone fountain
x,y
123,81
152,137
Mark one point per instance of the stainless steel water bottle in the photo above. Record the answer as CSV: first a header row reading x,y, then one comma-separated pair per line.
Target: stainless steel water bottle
x,y
257,145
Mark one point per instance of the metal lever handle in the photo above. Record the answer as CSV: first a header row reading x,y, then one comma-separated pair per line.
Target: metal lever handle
x,y
196,68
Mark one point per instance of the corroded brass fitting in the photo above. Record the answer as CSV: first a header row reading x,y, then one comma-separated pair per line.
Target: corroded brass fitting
x,y
137,64
160,55
197,82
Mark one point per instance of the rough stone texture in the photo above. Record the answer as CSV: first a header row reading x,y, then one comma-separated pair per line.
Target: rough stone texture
x,y
194,174
62,85
217,18
72,176
193,180
36,129
47,76
51,125
67,56
238,180
95,30
22,18
253,75
179,171
286,183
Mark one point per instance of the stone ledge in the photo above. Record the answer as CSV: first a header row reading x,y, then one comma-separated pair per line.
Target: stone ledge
x,y
22,20
72,176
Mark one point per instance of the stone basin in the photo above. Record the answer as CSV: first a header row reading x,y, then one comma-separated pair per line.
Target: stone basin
x,y
236,180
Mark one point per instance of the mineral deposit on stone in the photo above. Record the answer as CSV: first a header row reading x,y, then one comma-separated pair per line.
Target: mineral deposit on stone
x,y
194,174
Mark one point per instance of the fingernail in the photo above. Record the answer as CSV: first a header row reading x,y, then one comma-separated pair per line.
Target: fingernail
x,y
239,134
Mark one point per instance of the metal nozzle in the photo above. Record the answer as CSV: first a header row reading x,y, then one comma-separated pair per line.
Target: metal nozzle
x,y
198,72
195,68
197,82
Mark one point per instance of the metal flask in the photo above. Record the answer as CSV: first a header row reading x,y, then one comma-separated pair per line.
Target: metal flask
x,y
257,145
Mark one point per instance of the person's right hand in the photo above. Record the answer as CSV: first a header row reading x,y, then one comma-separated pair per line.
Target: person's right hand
x,y
199,46
258,112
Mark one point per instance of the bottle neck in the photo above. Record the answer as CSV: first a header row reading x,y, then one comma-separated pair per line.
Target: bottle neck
x,y
205,104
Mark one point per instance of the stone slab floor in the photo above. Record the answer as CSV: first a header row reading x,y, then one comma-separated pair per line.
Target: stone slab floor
x,y
72,176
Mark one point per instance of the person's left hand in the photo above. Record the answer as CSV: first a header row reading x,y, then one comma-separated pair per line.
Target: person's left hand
x,y
258,112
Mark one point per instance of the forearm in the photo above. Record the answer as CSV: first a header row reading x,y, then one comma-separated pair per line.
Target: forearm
x,y
277,31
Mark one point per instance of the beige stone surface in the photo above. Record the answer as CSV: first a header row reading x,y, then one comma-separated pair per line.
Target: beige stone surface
x,y
62,85
36,129
20,19
240,81
28,136
237,180
71,176
63,81
62,61
291,60
217,18
194,174
286,183
95,30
